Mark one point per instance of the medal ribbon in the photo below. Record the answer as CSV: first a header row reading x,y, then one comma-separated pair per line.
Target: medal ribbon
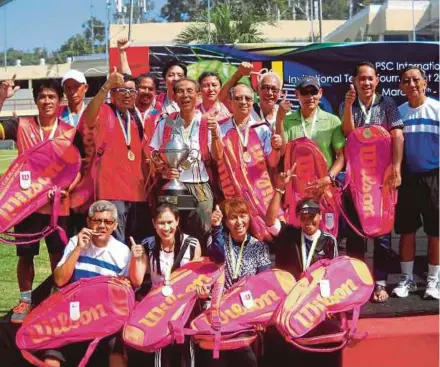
x,y
125,131
143,116
235,263
52,133
243,140
303,124
367,114
306,260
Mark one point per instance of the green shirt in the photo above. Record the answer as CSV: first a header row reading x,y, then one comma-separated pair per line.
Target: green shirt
x,y
328,132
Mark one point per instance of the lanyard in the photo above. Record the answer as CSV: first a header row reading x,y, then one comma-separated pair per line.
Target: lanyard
x,y
70,117
243,139
143,116
235,263
52,133
187,133
367,114
303,124
306,260
271,123
215,108
125,131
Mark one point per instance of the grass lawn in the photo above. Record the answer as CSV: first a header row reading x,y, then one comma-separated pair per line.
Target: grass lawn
x,y
8,260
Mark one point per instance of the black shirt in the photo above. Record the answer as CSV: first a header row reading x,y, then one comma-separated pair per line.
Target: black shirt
x,y
287,246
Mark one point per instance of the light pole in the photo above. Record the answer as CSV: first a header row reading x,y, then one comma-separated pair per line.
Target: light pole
x,y
209,21
3,3
413,23
130,20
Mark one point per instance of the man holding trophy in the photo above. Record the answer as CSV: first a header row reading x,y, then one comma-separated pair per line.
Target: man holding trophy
x,y
187,144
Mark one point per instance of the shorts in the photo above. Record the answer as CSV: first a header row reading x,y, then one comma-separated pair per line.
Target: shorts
x,y
418,204
34,224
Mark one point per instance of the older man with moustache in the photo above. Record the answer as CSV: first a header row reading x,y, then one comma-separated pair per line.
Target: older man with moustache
x,y
203,138
119,176
418,196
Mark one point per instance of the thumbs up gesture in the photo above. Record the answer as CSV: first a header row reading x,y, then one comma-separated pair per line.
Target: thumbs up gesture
x,y
216,217
137,251
115,79
350,96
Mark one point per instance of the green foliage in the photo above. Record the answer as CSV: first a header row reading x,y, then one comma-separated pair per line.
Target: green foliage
x,y
228,27
139,16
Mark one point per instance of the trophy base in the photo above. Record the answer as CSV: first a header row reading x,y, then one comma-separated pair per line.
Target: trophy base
x,y
182,201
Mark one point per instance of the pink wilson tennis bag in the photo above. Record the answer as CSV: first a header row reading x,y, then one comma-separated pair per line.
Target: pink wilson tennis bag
x,y
307,307
24,186
157,320
368,153
311,165
105,304
233,321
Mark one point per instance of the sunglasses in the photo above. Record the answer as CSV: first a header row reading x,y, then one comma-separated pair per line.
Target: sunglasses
x,y
106,222
123,90
306,92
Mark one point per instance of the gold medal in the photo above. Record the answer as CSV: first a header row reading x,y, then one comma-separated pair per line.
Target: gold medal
x,y
246,157
131,155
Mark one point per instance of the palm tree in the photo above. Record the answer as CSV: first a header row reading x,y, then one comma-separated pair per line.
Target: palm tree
x,y
229,27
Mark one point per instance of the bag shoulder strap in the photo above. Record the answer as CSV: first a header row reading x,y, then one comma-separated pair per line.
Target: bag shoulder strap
x,y
182,251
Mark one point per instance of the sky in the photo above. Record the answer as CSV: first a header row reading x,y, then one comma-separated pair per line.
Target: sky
x,y
49,23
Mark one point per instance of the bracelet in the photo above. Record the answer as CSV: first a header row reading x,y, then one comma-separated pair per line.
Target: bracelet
x,y
105,90
332,177
282,192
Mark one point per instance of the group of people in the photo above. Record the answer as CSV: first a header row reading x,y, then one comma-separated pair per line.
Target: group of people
x,y
223,127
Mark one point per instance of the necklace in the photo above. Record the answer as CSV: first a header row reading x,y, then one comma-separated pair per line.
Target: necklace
x,y
307,259
52,133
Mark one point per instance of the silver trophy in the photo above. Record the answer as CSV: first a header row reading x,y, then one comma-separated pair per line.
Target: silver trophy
x,y
174,153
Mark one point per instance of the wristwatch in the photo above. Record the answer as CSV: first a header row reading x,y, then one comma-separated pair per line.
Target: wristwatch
x,y
332,177
281,191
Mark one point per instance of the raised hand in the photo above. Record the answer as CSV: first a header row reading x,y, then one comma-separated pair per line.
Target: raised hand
x,y
216,217
285,105
8,89
245,68
85,238
124,43
284,178
212,123
115,79
137,251
350,96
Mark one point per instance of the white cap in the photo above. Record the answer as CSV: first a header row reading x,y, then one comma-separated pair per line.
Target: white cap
x,y
75,75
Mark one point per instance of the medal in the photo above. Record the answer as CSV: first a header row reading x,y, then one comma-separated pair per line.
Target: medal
x,y
167,291
130,155
186,165
246,157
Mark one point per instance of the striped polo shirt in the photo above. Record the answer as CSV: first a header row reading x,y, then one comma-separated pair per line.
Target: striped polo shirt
x,y
111,260
421,133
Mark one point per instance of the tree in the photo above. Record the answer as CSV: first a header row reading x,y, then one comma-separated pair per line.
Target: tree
x,y
183,10
229,27
141,9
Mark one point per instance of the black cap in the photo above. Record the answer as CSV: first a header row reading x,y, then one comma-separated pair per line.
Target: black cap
x,y
307,206
309,81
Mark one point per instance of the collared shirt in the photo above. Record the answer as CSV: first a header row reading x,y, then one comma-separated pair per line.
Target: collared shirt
x,y
256,256
384,112
197,172
262,129
327,132
111,260
257,115
421,131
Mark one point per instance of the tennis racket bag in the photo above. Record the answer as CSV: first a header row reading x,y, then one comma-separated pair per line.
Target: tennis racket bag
x,y
87,310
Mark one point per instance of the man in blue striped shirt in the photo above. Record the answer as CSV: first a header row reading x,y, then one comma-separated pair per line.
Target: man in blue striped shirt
x,y
94,251
419,194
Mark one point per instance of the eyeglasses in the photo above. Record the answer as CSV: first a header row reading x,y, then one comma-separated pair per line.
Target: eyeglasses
x,y
240,98
106,222
407,81
306,92
123,90
268,88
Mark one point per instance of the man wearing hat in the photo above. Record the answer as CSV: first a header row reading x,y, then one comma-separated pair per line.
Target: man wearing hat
x,y
311,122
75,87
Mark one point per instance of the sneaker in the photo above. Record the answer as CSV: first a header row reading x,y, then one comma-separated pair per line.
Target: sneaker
x,y
432,289
404,286
20,312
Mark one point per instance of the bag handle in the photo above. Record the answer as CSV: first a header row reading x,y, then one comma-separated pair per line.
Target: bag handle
x,y
40,363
